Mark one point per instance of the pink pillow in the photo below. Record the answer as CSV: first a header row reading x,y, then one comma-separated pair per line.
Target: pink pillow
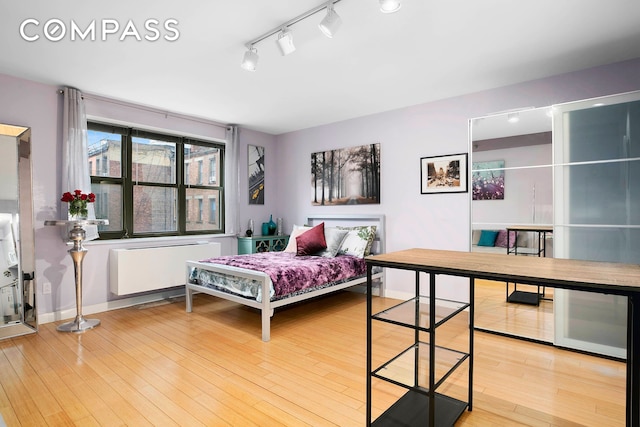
x,y
311,241
501,239
292,245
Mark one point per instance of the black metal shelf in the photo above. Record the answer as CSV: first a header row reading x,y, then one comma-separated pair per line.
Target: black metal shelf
x,y
412,409
422,367
524,297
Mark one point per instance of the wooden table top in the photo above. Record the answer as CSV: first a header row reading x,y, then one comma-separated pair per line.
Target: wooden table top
x,y
545,228
595,276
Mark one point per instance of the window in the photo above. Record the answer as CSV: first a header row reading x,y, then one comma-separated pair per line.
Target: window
x,y
143,186
212,169
213,219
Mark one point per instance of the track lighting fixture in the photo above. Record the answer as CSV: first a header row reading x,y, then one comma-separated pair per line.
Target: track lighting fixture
x,y
329,25
331,22
390,6
250,59
285,41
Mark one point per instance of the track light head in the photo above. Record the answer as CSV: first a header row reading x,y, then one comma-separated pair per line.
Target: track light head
x,y
331,22
250,59
390,6
285,41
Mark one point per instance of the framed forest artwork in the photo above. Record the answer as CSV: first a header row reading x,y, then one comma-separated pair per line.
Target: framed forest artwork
x,y
256,174
443,174
347,176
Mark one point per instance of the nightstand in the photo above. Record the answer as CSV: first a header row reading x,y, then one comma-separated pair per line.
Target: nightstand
x,y
255,244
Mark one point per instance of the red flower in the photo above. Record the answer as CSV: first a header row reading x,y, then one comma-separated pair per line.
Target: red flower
x,y
78,201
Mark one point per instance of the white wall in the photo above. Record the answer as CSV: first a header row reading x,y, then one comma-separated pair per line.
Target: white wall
x,y
436,128
413,220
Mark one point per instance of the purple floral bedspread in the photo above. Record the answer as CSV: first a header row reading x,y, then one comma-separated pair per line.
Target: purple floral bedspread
x,y
290,273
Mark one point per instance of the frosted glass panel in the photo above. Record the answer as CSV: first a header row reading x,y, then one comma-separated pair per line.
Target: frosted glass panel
x,y
597,213
593,322
600,244
603,193
604,133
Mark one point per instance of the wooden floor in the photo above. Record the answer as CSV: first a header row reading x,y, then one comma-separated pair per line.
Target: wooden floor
x,y
494,313
158,365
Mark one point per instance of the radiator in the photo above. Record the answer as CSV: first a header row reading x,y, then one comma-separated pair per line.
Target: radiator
x,y
147,269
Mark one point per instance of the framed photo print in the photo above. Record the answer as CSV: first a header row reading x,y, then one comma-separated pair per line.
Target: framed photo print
x,y
443,174
347,176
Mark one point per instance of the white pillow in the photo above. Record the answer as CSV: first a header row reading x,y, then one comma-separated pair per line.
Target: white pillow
x,y
358,240
295,232
334,238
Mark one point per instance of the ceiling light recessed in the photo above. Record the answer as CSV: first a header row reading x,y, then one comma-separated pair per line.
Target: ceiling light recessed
x,y
285,42
331,22
250,59
513,117
390,6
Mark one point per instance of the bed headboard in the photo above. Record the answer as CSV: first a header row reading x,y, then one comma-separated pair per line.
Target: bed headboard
x,y
351,220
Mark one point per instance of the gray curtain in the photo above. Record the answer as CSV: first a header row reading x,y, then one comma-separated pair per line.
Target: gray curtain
x,y
75,157
232,181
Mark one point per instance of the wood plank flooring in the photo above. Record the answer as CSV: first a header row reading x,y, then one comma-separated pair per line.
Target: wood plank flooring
x,y
161,366
494,313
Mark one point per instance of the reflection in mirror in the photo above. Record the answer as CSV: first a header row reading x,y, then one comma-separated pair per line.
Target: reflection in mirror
x,y
17,260
512,213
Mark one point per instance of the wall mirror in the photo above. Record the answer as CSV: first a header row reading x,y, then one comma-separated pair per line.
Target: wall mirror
x,y
512,193
17,256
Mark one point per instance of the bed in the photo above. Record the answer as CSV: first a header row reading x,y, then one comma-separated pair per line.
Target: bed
x,y
233,278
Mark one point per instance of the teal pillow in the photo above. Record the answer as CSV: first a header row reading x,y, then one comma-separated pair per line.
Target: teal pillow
x,y
487,238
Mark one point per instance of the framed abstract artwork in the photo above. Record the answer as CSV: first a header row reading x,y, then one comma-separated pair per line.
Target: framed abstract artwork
x,y
256,174
488,180
443,174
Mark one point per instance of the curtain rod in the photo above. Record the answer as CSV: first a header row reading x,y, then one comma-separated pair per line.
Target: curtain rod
x,y
165,113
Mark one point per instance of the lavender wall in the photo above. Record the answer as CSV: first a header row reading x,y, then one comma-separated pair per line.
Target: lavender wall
x,y
39,107
432,221
436,128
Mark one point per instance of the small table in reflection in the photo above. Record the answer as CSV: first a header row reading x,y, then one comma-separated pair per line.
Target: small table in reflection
x,y
519,296
77,235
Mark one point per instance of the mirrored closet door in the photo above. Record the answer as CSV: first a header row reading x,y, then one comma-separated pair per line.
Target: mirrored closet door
x,y
17,260
512,193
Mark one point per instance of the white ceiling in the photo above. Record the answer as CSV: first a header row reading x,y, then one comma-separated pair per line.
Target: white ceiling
x,y
428,50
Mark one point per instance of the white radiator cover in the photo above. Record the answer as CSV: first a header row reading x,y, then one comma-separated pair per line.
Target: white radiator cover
x,y
133,271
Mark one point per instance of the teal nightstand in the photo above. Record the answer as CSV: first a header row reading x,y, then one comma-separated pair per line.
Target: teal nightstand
x,y
255,244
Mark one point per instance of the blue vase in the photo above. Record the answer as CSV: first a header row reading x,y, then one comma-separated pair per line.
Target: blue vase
x,y
272,226
265,228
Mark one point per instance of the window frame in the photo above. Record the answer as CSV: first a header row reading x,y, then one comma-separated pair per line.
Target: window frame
x,y
127,183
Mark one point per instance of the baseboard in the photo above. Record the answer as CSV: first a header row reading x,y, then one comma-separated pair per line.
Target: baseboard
x,y
109,305
399,295
71,313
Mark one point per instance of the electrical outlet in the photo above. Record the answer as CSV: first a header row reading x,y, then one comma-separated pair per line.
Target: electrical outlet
x,y
46,288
